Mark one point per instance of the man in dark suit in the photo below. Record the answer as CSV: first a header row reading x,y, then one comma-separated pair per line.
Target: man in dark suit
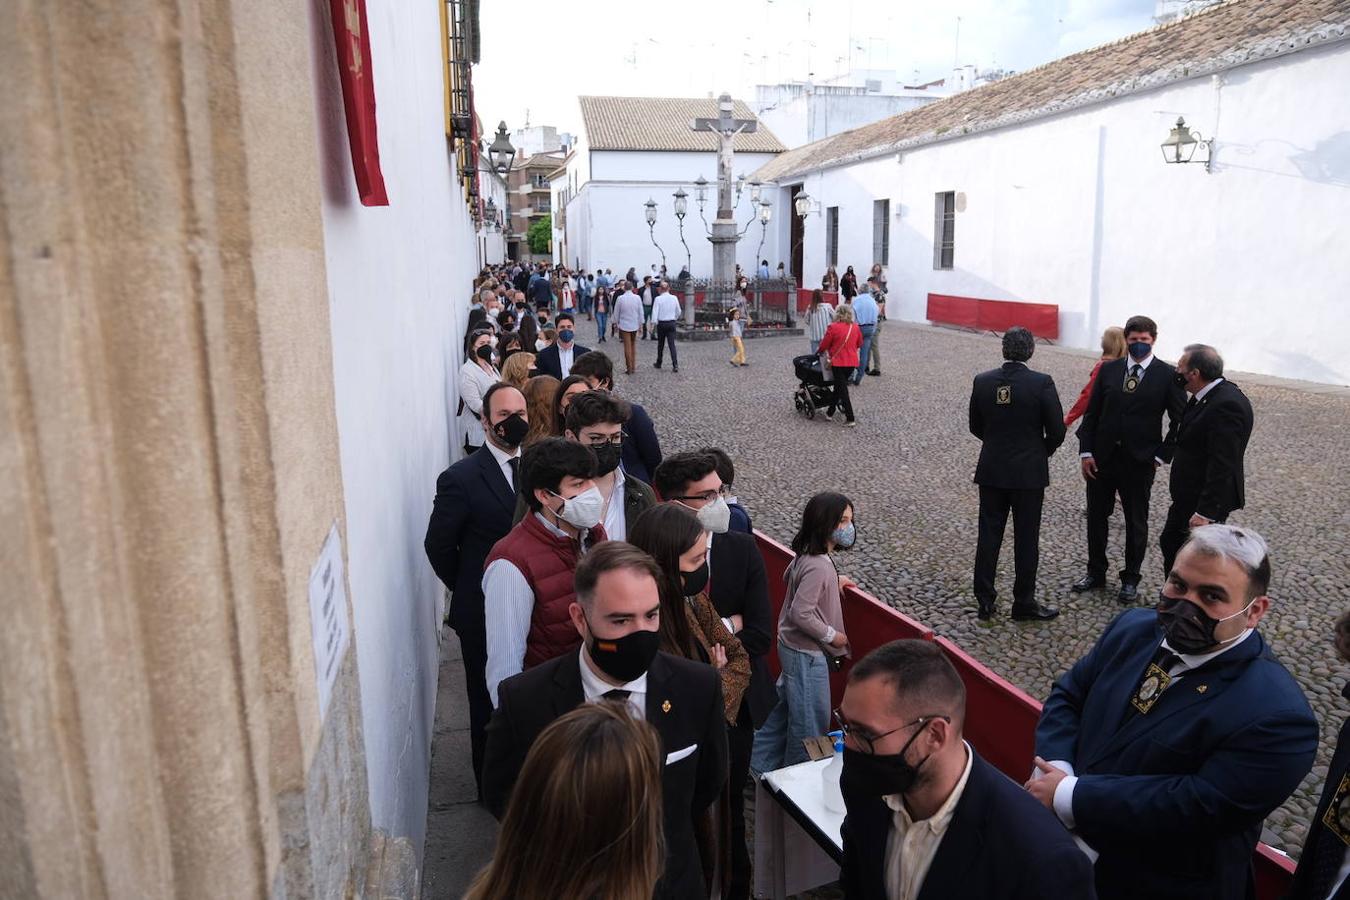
x,y
726,471
739,591
539,290
1016,414
927,818
475,499
1207,479
1121,445
557,358
1166,746
641,448
1324,866
617,613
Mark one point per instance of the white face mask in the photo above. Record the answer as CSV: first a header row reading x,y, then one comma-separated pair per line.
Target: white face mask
x,y
584,510
715,517
540,344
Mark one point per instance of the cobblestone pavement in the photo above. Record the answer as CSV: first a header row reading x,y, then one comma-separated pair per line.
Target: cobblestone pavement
x,y
908,467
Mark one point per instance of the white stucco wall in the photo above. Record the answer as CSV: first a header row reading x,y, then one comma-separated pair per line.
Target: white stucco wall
x,y
398,280
1080,210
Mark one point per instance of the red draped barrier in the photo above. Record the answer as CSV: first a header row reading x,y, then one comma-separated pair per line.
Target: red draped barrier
x,y
1041,319
804,298
1000,717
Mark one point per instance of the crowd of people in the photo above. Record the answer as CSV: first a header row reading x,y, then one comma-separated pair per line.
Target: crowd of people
x,y
615,620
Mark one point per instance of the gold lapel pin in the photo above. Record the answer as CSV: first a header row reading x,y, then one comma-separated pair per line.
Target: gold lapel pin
x,y
665,706
1202,688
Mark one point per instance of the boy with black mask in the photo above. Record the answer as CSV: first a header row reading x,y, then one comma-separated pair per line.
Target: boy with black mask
x,y
597,419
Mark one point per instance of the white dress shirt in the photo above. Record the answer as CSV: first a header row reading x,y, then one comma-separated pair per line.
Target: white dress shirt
x,y
616,522
628,311
911,846
666,308
565,359
1200,394
504,461
593,688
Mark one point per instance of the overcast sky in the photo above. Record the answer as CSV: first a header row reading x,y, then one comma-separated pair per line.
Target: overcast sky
x,y
539,56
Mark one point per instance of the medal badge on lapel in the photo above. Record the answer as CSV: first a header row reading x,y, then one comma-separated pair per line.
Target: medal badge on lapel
x,y
1003,396
1131,384
1337,816
1151,688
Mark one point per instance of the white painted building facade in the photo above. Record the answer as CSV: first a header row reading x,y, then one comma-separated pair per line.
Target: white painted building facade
x,y
1077,207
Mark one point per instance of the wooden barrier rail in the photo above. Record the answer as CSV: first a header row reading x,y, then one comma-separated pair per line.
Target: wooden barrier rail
x,y
1000,717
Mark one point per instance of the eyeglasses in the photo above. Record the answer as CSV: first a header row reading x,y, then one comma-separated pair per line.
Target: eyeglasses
x,y
867,742
615,441
708,496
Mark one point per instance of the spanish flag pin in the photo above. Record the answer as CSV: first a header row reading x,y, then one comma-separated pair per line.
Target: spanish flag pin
x,y
665,706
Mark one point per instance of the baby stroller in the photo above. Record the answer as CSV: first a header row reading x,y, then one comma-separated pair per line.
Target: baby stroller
x,y
813,391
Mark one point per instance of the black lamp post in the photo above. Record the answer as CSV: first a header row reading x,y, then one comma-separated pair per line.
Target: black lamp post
x,y
500,150
651,228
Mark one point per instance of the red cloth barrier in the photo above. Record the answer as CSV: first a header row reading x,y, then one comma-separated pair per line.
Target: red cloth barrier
x,y
804,298
1000,717
1041,319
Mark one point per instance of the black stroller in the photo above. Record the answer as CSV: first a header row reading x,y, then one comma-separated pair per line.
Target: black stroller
x,y
813,391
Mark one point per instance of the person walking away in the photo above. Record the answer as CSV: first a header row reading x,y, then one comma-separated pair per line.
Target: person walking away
x,y
666,314
865,313
648,295
736,327
878,279
592,782
1121,446
848,285
1207,479
1017,417
1113,347
628,319
600,305
810,634
839,354
819,315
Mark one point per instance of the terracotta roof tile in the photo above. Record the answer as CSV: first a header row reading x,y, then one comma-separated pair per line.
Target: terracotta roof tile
x,y
1221,37
662,123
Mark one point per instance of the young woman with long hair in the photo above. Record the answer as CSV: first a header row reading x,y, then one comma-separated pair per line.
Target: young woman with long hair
x,y
810,634
590,791
540,395
562,398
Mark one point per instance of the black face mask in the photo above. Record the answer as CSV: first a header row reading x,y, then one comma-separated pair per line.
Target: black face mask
x,y
694,582
624,659
484,353
871,775
512,430
1179,379
1187,627
607,458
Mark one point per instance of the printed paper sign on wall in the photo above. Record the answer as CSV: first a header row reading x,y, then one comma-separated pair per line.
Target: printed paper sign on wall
x,y
328,616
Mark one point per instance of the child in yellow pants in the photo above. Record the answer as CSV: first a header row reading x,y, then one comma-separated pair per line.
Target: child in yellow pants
x,y
737,326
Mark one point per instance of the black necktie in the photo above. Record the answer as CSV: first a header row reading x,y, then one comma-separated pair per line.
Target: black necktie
x,y
1135,370
514,463
617,694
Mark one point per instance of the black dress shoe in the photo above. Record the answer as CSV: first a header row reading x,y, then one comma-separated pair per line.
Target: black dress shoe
x,y
1129,593
1034,613
1087,583
984,611
674,368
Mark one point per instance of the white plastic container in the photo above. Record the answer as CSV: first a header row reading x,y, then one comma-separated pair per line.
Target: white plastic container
x,y
831,795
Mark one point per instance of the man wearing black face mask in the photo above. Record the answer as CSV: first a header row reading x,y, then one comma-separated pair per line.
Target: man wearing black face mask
x,y
1166,746
471,512
1121,445
617,612
597,419
927,818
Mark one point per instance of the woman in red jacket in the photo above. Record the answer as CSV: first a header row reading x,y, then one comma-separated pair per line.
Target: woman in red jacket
x,y
1113,347
840,346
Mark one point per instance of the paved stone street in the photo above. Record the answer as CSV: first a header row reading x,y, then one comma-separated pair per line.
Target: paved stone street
x,y
908,466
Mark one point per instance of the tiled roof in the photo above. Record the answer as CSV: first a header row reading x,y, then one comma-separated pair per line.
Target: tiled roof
x,y
662,123
1221,37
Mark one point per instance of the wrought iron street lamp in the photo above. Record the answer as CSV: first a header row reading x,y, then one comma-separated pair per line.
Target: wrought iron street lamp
x,y
500,150
681,210
490,211
765,213
651,228
802,204
755,187
1181,144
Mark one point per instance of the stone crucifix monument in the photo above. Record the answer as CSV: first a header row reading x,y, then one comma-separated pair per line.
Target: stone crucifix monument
x,y
724,234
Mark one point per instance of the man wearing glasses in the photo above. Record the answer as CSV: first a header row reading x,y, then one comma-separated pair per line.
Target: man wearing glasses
x,y
597,419
926,816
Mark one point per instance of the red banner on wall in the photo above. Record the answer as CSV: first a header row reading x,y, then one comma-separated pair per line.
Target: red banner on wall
x,y
358,97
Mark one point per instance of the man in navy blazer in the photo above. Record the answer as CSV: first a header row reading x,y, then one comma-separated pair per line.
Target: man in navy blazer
x,y
641,448
475,500
927,818
557,358
1166,746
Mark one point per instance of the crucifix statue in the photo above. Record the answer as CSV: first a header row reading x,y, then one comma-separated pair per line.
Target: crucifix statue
x,y
724,232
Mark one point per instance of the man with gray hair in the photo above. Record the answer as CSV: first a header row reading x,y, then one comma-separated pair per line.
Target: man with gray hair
x,y
1211,440
1165,747
1016,413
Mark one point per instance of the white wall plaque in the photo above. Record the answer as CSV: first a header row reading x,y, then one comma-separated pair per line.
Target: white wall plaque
x,y
328,616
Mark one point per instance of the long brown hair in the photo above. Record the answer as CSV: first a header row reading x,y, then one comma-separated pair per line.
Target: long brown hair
x,y
666,532
539,407
590,789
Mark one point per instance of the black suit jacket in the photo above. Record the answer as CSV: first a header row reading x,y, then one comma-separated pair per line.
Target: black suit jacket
x,y
471,512
1131,423
1000,843
522,280
641,449
548,362
1211,440
694,716
1320,840
739,586
1016,413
